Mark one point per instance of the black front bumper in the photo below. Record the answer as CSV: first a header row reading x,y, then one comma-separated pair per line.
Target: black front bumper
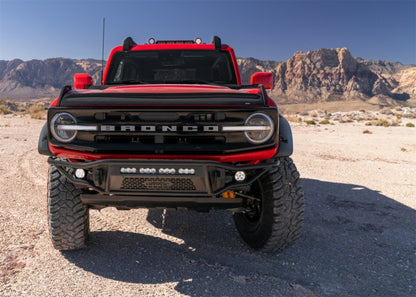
x,y
161,183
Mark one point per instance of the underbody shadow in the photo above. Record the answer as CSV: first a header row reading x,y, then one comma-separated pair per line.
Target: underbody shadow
x,y
355,242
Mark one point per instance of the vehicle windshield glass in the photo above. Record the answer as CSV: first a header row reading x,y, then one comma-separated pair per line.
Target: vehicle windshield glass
x,y
171,66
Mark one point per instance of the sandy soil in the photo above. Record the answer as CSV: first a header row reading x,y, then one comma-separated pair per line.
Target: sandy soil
x,y
358,238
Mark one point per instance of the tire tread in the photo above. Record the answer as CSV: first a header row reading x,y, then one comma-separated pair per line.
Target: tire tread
x,y
67,216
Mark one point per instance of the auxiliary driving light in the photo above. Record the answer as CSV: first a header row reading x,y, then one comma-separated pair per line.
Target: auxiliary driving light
x,y
128,170
240,176
147,170
167,170
80,173
198,40
186,171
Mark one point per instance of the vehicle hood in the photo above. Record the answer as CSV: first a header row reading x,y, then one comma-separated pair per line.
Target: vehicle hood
x,y
170,88
157,95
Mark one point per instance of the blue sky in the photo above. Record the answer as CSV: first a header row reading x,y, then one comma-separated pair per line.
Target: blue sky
x,y
272,30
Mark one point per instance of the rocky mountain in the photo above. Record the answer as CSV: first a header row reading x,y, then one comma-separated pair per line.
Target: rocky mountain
x,y
333,74
250,65
314,76
42,78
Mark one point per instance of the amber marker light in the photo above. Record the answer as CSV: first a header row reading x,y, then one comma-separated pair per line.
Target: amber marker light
x,y
228,194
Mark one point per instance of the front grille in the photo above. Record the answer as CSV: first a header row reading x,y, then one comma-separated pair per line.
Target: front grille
x,y
142,131
158,184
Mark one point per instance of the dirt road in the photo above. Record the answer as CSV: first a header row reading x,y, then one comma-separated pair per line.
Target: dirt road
x,y
359,237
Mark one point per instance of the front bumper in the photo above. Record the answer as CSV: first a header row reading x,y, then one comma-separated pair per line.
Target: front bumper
x,y
161,183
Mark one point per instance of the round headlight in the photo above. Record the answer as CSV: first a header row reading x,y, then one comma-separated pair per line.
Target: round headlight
x,y
259,128
60,127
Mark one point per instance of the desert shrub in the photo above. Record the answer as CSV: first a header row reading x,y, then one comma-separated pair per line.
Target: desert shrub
x,y
37,111
366,131
4,109
292,119
383,122
368,124
310,122
324,122
410,125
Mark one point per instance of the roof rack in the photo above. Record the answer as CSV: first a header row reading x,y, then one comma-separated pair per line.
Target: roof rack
x,y
216,41
128,43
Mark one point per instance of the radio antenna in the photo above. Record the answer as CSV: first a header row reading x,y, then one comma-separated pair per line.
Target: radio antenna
x,y
102,54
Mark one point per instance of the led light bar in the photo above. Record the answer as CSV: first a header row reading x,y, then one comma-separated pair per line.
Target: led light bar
x,y
190,171
128,170
167,170
245,128
147,170
76,128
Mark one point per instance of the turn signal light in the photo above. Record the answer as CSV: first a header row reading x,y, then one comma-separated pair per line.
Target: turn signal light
x,y
228,194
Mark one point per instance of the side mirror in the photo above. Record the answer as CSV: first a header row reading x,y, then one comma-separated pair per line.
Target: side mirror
x,y
262,78
82,81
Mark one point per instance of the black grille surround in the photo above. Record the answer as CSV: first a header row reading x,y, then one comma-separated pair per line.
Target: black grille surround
x,y
168,130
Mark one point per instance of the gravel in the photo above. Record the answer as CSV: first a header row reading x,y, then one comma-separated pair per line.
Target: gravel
x,y
358,238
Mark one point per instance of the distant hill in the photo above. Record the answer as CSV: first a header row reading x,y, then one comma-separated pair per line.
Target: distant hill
x,y
42,78
314,76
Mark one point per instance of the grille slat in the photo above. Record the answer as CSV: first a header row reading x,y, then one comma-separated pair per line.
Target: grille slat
x,y
158,184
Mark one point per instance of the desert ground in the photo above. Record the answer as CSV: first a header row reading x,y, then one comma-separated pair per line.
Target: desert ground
x,y
359,235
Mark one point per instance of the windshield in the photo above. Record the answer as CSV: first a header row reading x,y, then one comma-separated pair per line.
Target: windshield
x,y
171,66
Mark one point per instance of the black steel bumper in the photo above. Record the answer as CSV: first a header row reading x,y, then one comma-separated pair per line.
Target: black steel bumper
x,y
161,183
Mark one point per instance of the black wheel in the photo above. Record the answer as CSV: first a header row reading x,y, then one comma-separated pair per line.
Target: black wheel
x,y
274,220
68,217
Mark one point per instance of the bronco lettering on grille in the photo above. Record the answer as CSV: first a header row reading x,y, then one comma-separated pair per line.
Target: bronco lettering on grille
x,y
162,128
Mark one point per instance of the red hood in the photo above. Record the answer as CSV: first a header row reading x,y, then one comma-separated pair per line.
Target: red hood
x,y
249,96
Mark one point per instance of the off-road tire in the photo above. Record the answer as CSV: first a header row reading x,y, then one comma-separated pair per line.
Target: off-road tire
x,y
278,220
68,217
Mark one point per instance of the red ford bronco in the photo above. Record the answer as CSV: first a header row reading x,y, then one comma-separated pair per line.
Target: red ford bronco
x,y
171,126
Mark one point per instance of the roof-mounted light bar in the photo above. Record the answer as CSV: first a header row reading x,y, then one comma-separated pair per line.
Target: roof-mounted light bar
x,y
216,41
175,41
129,43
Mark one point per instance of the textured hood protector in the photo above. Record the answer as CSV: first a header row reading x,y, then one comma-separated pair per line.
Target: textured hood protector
x,y
151,95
